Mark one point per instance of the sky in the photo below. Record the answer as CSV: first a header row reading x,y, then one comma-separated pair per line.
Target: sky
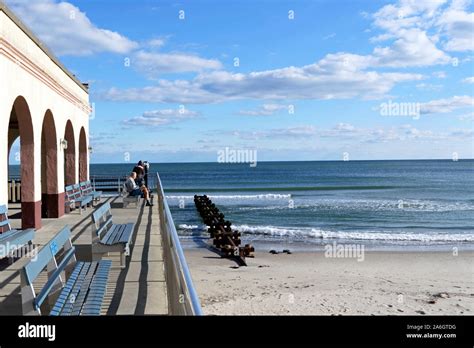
x,y
181,81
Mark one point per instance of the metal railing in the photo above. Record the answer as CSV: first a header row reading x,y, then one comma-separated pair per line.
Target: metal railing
x,y
182,296
114,183
107,182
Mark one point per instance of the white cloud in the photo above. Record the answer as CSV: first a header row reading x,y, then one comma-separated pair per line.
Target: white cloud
x,y
447,19
458,26
336,76
468,79
156,43
446,105
330,36
407,23
463,133
429,87
412,48
101,139
439,74
467,117
291,132
264,110
407,14
155,63
298,132
345,131
68,31
162,117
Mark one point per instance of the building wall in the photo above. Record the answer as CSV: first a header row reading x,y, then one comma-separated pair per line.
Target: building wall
x,y
27,71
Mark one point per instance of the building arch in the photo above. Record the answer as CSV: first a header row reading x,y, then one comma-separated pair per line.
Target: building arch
x,y
83,165
69,155
21,125
50,205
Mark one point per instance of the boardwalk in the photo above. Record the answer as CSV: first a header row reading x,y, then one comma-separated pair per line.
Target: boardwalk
x,y
139,289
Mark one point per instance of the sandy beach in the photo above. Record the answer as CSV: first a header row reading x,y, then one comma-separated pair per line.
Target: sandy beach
x,y
308,283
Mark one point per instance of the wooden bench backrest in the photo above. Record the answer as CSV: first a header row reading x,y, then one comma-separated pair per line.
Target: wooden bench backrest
x,y
70,194
77,191
125,192
46,258
102,218
86,187
4,221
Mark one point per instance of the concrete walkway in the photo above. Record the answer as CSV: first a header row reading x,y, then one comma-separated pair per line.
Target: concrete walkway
x,y
139,289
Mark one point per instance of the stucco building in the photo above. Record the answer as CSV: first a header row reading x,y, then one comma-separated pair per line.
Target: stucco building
x,y
48,108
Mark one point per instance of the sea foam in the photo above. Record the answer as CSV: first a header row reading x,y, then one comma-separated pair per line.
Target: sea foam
x,y
268,196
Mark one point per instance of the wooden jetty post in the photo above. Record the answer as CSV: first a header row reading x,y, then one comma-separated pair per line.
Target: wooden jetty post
x,y
225,239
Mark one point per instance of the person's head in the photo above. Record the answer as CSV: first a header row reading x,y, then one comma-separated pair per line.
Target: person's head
x,y
140,163
133,175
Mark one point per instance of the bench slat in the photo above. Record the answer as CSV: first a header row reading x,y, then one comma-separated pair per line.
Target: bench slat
x,y
75,287
63,297
106,237
127,233
69,305
93,303
105,226
84,288
7,234
118,234
53,278
16,240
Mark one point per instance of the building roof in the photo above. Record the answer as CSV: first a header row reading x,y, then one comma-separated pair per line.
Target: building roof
x,y
4,8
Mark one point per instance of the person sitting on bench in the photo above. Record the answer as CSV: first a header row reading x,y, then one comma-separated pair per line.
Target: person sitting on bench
x,y
140,170
134,190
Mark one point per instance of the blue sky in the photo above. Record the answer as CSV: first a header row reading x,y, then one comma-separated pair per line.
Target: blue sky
x,y
311,81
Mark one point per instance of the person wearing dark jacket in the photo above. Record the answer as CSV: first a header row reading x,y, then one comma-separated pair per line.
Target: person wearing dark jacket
x,y
141,181
140,170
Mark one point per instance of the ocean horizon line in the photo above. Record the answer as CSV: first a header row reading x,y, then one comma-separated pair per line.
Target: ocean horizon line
x,y
303,161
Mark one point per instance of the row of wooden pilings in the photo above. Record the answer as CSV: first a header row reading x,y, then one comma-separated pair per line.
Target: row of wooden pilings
x,y
226,240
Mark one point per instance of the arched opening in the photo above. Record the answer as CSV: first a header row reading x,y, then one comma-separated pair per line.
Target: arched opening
x,y
82,156
21,125
69,156
51,206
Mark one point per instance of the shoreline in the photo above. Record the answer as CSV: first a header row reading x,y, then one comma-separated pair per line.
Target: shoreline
x,y
310,247
308,283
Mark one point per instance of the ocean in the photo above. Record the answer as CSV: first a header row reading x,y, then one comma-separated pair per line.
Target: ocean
x,y
306,205
408,205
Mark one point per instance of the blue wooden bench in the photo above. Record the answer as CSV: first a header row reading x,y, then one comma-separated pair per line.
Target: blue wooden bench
x,y
127,199
88,190
109,237
81,294
11,239
74,198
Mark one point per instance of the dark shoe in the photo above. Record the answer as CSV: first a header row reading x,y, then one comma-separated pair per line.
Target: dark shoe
x,y
148,204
